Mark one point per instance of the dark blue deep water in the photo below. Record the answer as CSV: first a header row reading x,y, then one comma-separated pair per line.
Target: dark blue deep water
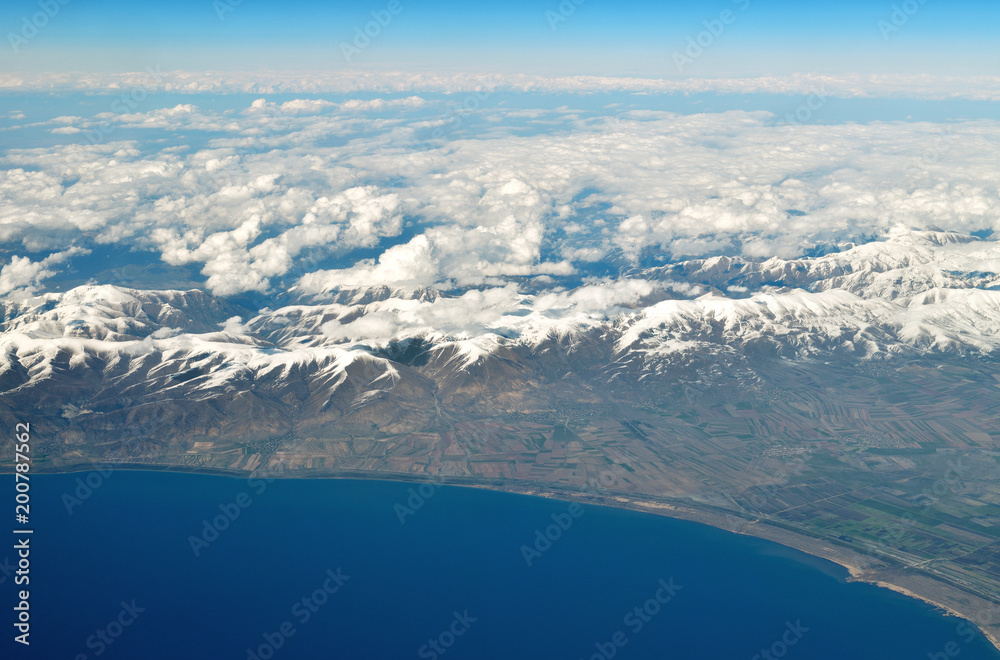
x,y
455,566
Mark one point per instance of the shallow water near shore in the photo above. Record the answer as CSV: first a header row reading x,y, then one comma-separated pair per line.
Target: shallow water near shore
x,y
165,565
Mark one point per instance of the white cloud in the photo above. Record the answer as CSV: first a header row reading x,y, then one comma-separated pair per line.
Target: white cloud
x,y
355,105
407,265
501,311
275,197
26,275
982,88
312,106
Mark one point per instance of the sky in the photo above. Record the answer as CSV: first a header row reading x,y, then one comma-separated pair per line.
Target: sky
x,y
490,151
572,37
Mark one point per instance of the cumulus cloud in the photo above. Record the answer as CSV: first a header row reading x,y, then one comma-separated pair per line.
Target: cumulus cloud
x,y
409,102
411,264
317,106
234,326
501,311
290,185
24,275
357,217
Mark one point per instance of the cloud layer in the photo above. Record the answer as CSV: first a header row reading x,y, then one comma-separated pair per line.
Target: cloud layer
x,y
411,193
926,86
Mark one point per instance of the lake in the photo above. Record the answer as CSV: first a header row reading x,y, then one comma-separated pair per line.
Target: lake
x,y
148,565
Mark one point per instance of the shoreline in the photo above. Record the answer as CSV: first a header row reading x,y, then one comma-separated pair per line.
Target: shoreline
x,y
819,548
947,598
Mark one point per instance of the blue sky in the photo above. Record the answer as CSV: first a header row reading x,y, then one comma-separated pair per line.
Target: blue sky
x,y
597,36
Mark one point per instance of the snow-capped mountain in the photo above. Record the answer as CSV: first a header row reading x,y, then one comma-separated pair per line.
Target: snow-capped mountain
x,y
400,359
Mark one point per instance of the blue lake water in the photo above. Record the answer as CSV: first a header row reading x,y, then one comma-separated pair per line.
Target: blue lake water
x,y
453,574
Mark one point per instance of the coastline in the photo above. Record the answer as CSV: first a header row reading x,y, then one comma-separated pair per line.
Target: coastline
x,y
948,598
